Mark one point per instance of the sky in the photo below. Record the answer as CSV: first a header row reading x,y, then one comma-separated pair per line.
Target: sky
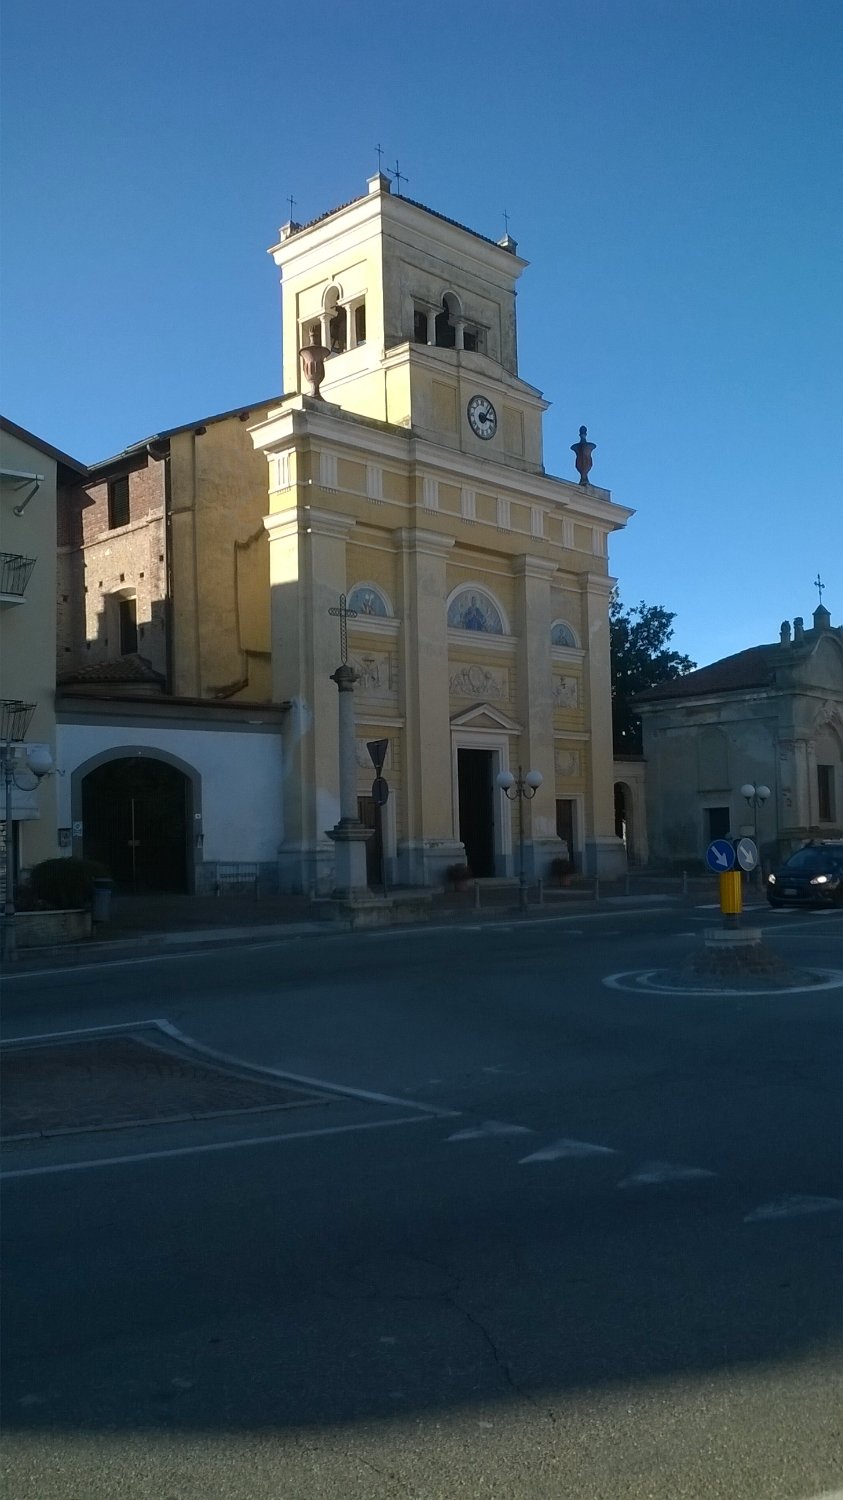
x,y
671,171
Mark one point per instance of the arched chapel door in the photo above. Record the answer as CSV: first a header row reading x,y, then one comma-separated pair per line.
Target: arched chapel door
x,y
136,819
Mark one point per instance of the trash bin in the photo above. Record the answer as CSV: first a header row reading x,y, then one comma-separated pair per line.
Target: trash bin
x,y
101,905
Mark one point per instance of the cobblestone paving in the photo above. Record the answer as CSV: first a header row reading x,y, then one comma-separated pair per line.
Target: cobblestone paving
x,y
107,1082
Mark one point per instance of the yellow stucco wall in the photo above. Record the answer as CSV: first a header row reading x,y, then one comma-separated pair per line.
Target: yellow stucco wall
x,y
220,562
28,629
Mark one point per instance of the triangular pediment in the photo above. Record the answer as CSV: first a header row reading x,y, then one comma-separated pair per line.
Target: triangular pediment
x,y
484,716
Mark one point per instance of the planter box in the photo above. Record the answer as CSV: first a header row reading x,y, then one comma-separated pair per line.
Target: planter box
x,y
46,929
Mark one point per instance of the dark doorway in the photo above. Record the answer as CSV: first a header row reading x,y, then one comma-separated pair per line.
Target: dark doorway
x,y
719,819
477,809
565,823
367,812
136,815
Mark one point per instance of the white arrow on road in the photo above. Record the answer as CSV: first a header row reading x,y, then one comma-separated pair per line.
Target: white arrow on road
x,y
663,1171
567,1148
489,1128
794,1206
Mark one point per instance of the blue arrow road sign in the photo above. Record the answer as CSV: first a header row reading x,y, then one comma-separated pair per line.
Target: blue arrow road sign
x,y
720,856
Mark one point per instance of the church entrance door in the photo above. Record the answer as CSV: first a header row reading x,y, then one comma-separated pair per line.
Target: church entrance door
x,y
475,787
136,815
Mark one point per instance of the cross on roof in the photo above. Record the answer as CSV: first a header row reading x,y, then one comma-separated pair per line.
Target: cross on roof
x,y
345,614
819,586
292,201
506,221
398,177
379,149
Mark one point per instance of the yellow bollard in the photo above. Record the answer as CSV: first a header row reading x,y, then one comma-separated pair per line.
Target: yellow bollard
x,y
731,895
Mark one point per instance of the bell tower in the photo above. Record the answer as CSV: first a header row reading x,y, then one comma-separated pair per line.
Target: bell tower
x,y
418,315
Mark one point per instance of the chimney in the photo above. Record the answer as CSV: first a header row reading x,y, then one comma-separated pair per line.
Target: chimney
x,y
784,633
798,630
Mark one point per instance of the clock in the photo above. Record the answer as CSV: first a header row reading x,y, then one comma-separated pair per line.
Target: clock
x,y
482,417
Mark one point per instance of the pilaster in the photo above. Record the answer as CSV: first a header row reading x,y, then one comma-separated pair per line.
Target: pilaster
x,y
307,550
428,846
535,706
604,851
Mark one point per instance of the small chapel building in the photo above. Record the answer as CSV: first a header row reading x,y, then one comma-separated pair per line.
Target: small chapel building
x,y
411,481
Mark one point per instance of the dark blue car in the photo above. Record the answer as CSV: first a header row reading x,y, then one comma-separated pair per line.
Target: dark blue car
x,y
813,876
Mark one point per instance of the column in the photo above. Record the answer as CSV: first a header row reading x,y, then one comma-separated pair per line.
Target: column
x,y
429,844
604,851
535,708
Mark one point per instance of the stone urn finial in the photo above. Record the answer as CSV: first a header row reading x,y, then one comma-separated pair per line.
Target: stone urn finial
x,y
582,455
313,357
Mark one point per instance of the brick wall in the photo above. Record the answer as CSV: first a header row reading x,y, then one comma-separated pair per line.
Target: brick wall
x,y
98,566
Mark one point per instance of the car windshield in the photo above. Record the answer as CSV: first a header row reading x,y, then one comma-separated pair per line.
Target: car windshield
x,y
815,859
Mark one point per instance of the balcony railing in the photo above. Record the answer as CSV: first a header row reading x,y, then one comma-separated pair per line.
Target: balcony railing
x,y
15,573
14,719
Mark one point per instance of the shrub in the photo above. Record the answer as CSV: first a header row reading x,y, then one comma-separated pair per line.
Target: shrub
x,y
66,884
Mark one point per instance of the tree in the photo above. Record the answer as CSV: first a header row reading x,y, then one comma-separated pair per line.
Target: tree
x,y
641,659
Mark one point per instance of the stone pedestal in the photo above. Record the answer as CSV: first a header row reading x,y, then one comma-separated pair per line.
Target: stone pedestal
x,y
348,835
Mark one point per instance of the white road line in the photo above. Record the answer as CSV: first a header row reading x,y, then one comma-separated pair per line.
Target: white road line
x,y
367,1096
654,1172
794,1206
53,1036
645,982
563,1149
488,1130
259,1140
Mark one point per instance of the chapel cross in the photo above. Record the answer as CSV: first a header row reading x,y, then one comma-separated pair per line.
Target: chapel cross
x,y
379,149
291,200
345,614
398,177
819,586
506,221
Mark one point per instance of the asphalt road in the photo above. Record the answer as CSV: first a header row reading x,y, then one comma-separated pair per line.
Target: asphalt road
x,y
553,1239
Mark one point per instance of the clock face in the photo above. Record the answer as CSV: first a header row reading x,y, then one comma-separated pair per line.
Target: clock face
x,y
482,417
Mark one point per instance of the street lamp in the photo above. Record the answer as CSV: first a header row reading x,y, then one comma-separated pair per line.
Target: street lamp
x,y
15,721
521,789
756,795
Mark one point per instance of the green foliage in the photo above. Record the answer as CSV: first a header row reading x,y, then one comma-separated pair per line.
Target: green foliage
x,y
641,659
66,884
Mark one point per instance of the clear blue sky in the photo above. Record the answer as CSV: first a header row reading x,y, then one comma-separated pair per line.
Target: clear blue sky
x,y
672,172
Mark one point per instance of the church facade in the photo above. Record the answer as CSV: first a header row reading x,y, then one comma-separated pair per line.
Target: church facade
x,y
477,585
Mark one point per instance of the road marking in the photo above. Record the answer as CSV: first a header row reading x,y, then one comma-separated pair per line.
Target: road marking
x,y
645,982
53,1036
794,1206
368,1096
488,1129
567,1148
258,1140
653,1172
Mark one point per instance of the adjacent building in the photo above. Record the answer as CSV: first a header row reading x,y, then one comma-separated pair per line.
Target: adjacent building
x,y
34,478
769,716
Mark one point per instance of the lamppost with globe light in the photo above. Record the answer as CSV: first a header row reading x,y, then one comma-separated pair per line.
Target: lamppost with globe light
x,y
15,756
520,789
756,794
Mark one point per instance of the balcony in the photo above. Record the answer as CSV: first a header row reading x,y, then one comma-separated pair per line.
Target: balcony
x,y
15,572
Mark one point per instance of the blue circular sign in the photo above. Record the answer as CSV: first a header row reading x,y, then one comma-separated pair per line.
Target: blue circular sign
x,y
720,856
